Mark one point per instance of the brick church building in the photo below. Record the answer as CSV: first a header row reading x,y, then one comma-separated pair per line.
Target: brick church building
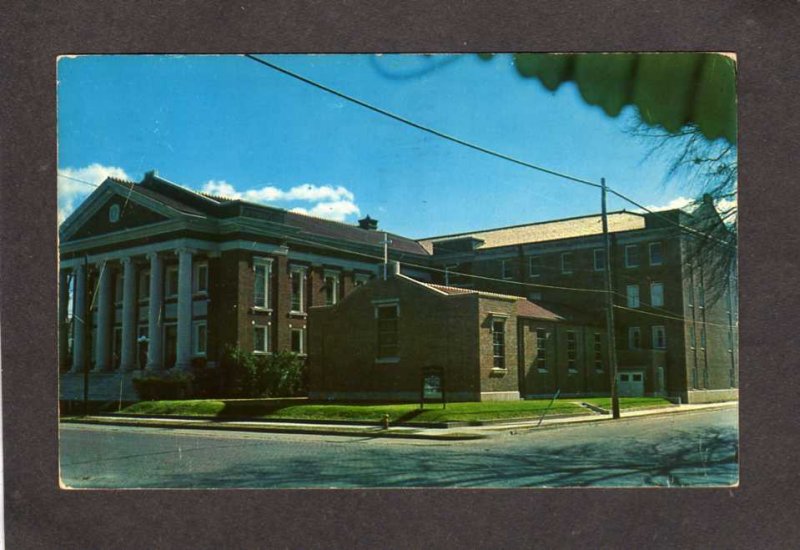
x,y
154,276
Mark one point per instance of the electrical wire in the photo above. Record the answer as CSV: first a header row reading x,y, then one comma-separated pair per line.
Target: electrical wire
x,y
479,148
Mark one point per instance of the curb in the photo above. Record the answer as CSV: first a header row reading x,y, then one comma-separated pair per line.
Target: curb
x,y
357,432
594,419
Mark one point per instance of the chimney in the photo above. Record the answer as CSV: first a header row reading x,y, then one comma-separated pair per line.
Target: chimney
x,y
368,223
395,268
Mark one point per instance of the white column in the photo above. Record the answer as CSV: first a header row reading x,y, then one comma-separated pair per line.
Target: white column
x,y
184,343
79,320
128,353
63,318
102,358
154,321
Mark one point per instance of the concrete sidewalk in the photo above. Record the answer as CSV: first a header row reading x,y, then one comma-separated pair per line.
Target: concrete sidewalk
x,y
455,433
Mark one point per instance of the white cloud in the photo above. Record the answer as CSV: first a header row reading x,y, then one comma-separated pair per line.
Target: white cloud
x,y
333,203
680,202
71,191
722,205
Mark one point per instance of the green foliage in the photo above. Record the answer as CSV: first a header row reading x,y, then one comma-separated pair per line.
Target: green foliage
x,y
299,409
249,375
169,386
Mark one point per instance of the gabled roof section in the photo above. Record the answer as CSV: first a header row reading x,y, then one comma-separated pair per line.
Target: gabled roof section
x,y
152,206
525,308
542,231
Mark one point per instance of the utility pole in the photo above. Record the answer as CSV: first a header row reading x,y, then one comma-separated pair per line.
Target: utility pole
x,y
612,348
386,242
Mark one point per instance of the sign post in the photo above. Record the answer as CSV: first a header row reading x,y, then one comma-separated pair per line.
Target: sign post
x,y
432,386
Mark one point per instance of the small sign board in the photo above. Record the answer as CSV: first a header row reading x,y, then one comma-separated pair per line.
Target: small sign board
x,y
432,386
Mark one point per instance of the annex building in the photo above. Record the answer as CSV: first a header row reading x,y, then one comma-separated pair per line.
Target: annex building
x,y
155,277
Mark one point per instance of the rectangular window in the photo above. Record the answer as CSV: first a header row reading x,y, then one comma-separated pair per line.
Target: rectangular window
x,y
171,282
598,351
534,296
599,259
499,343
361,279
298,289
262,269
656,294
199,338
331,288
656,257
659,337
703,338
634,338
701,296
200,279
534,267
541,349
260,339
387,330
572,350
505,269
633,296
566,263
632,255
144,285
298,341
692,336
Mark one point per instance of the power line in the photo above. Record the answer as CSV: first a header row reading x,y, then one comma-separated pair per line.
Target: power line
x,y
60,175
419,126
477,147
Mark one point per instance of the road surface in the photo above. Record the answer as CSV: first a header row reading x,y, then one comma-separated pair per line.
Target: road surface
x,y
694,449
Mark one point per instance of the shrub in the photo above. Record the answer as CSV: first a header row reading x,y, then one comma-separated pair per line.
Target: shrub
x,y
246,375
167,387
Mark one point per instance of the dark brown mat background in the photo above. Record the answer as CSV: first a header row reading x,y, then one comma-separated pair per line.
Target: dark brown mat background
x,y
762,513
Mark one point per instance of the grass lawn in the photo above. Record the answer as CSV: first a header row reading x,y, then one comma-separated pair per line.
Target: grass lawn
x,y
360,412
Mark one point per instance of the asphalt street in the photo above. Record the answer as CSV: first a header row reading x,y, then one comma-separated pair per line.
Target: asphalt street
x,y
693,449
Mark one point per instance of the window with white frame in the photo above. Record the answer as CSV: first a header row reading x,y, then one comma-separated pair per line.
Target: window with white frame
x,y
634,338
541,349
599,259
701,296
298,282
388,340
200,278
534,267
659,337
632,296
499,342
656,294
262,271
299,341
199,338
572,350
144,285
360,279
505,269
171,281
332,279
598,351
261,339
656,256
566,263
632,255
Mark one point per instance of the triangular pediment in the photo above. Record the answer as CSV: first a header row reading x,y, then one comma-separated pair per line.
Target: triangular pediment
x,y
112,208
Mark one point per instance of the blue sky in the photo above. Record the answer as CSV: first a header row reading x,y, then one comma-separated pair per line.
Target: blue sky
x,y
229,125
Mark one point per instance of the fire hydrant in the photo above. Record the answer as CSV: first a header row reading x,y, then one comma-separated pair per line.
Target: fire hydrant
x,y
385,421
